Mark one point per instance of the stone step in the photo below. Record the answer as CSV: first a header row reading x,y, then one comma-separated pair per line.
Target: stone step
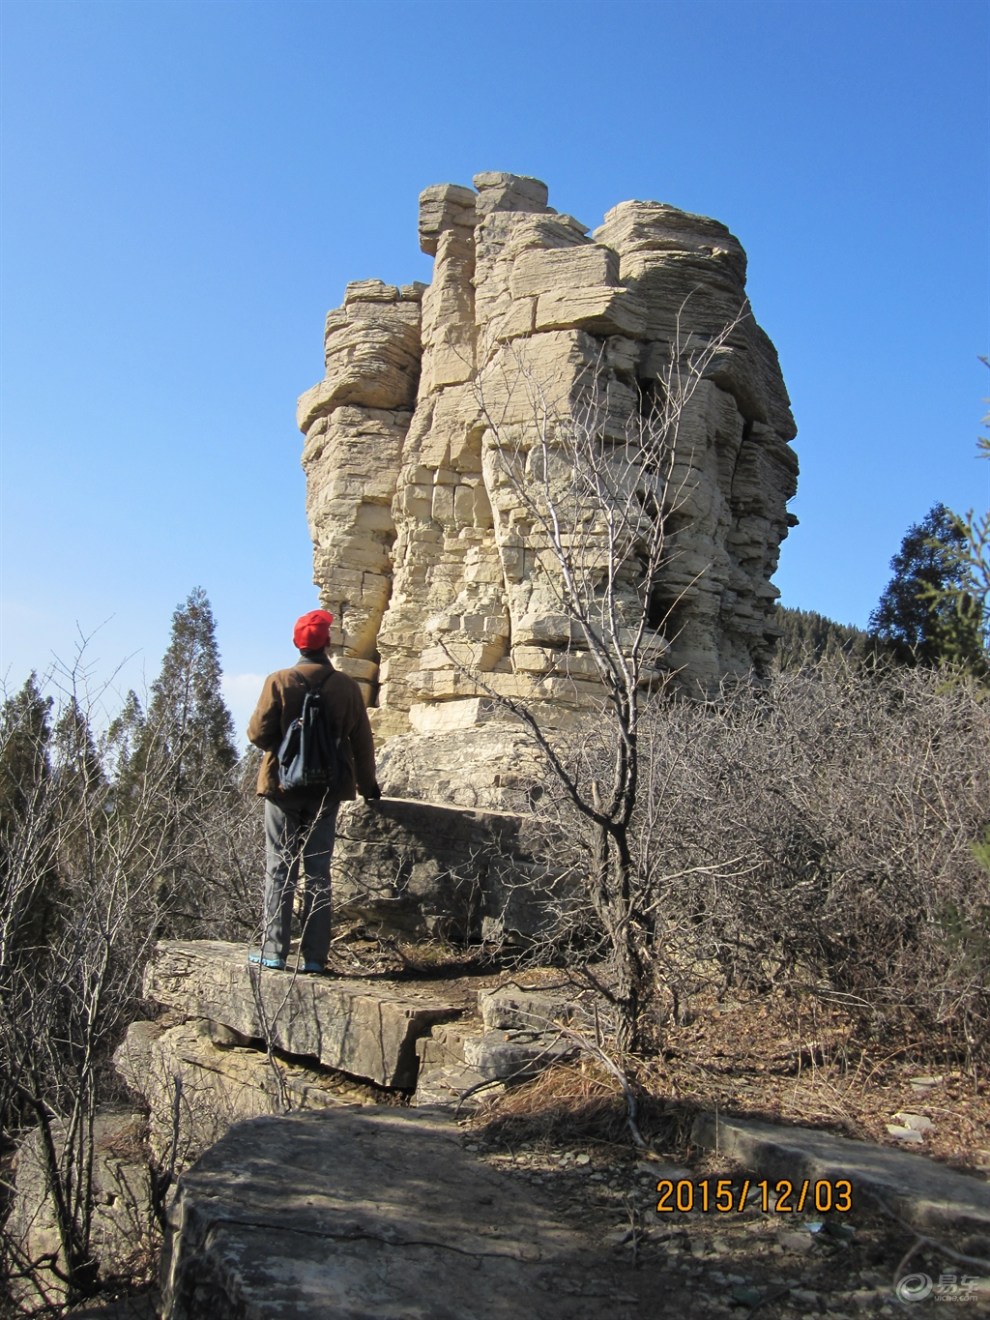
x,y
516,1056
513,1007
456,1057
359,1025
454,1086
444,1046
927,1195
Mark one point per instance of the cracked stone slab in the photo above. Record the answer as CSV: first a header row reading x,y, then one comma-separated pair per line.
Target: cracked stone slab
x,y
512,1055
378,1213
195,1089
925,1194
512,1007
359,1025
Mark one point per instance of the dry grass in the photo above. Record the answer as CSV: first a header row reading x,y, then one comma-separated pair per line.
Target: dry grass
x,y
572,1102
773,1056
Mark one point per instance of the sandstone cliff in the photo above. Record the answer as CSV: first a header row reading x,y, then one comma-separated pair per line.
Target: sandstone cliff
x,y
421,549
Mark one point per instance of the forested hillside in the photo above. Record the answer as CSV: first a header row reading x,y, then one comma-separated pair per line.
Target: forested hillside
x,y
807,636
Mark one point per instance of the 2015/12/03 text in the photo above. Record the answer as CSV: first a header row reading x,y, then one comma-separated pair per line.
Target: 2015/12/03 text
x,y
728,1195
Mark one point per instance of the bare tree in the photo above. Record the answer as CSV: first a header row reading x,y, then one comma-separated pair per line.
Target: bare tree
x,y
596,477
81,904
816,831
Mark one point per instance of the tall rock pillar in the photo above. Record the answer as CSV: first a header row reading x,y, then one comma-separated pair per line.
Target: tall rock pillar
x,y
424,549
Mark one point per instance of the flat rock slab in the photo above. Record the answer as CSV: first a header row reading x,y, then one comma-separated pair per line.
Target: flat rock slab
x,y
361,1026
925,1194
377,1213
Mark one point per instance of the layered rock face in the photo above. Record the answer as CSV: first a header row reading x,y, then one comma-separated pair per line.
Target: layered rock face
x,y
342,1040
426,553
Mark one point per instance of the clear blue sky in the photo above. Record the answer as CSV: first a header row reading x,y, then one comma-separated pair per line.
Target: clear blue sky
x,y
188,187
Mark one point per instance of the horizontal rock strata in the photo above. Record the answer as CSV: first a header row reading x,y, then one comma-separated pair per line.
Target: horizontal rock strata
x,y
363,1027
198,1077
444,592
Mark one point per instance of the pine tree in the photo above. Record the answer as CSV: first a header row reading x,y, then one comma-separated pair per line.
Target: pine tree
x,y
917,618
75,758
118,747
966,599
80,792
188,724
25,737
28,871
183,763
807,637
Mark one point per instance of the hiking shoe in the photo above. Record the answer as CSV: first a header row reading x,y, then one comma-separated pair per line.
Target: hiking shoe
x,y
274,964
313,968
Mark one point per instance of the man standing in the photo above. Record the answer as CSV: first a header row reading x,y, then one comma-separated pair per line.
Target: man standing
x,y
300,824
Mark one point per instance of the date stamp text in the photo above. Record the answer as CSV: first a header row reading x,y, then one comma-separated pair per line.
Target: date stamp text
x,y
725,1196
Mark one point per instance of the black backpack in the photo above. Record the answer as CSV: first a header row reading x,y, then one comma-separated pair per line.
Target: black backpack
x,y
310,755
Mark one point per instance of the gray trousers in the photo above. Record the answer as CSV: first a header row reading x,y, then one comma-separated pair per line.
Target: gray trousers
x,y
298,834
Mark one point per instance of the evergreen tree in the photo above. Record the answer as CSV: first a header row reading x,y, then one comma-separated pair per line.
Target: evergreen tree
x,y
28,870
25,738
177,763
118,747
966,599
917,618
81,792
75,758
807,637
188,724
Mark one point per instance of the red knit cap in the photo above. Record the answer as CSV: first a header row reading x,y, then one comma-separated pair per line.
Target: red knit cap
x,y
312,631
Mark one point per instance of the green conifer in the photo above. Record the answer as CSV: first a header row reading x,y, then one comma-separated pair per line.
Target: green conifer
x,y
188,725
176,759
918,619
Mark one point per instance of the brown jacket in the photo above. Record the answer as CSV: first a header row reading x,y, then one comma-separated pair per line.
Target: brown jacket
x,y
281,701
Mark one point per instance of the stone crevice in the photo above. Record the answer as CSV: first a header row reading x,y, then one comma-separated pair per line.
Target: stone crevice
x,y
384,1238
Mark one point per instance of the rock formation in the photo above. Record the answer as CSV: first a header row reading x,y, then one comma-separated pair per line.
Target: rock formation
x,y
355,1205
232,1043
422,870
383,1214
421,547
339,1041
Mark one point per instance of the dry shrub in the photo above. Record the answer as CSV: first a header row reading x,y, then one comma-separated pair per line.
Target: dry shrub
x,y
92,871
821,833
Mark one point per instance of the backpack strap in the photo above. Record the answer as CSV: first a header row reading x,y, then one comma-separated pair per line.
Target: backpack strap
x,y
319,680
316,686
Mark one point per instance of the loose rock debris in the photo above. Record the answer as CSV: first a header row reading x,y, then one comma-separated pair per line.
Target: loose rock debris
x,y
781,1266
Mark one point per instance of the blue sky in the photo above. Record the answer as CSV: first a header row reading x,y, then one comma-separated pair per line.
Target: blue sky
x,y
188,187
